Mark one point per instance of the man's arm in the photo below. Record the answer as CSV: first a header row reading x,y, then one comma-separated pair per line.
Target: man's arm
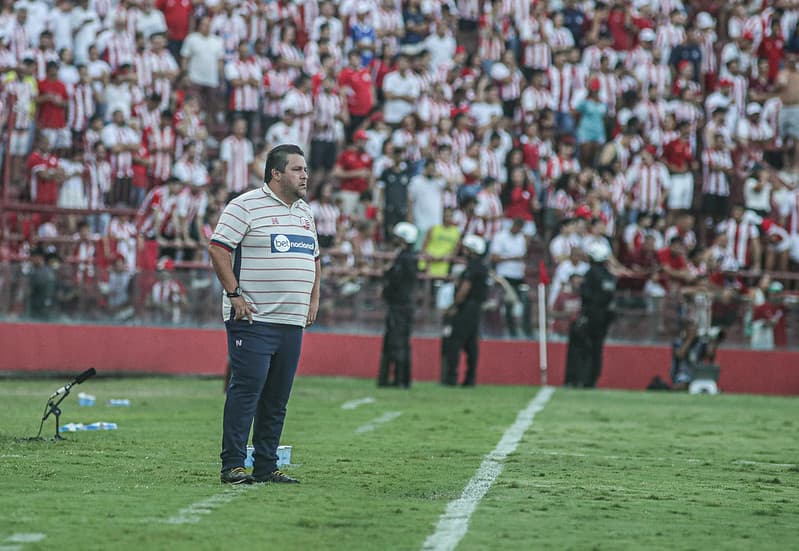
x,y
313,309
220,259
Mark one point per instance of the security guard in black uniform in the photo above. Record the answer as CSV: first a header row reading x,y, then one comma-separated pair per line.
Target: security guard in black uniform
x,y
400,282
587,333
462,320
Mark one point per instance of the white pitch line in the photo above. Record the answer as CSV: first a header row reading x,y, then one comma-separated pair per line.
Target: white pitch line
x,y
25,538
453,524
374,423
352,404
764,464
193,513
10,548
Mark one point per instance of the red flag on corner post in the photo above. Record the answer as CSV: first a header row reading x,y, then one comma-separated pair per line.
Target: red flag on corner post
x,y
543,276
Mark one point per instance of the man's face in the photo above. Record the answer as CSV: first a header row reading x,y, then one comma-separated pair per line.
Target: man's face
x,y
293,181
119,118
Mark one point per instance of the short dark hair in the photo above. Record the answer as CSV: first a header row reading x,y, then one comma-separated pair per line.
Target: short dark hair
x,y
278,158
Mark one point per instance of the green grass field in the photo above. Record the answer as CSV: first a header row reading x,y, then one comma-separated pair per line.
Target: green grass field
x,y
597,470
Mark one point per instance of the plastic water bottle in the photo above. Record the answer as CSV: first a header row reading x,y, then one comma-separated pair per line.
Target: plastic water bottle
x,y
119,402
283,456
102,425
86,399
72,427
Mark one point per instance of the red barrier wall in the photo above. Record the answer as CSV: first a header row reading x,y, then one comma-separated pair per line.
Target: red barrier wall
x,y
58,348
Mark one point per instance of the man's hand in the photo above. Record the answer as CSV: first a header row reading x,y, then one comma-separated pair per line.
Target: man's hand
x,y
313,310
242,308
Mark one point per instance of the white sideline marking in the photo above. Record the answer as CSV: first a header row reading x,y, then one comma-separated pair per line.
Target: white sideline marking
x,y
192,513
352,404
660,459
10,548
374,423
25,538
744,462
453,524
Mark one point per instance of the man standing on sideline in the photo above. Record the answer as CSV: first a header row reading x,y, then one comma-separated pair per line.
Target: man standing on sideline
x,y
587,334
399,284
462,320
265,315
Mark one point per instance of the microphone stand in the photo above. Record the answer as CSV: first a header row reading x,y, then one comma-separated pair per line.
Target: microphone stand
x,y
53,408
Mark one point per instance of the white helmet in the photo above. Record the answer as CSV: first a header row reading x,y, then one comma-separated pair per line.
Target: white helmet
x,y
598,251
406,231
475,243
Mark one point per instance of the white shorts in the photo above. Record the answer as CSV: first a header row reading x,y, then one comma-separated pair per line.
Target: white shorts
x,y
681,191
59,138
19,141
794,254
349,200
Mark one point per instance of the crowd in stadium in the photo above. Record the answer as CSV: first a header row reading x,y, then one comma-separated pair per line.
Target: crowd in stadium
x,y
670,128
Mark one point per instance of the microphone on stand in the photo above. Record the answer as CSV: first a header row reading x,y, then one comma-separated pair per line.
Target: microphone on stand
x,y
88,374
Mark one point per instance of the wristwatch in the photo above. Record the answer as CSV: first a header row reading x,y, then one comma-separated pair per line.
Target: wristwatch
x,y
236,293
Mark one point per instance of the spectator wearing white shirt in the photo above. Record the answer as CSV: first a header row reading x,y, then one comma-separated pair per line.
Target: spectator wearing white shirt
x,y
59,21
426,198
328,17
574,264
402,90
284,131
237,155
149,20
441,46
757,191
86,27
37,16
509,254
188,169
203,56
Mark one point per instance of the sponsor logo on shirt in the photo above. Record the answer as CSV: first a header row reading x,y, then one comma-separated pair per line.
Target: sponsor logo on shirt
x,y
282,243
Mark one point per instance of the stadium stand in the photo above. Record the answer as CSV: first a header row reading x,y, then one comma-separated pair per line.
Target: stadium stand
x,y
663,126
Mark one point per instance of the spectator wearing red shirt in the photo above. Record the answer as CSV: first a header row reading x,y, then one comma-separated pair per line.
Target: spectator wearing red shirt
x,y
52,116
771,48
680,161
178,17
621,27
44,172
519,201
354,171
357,84
674,264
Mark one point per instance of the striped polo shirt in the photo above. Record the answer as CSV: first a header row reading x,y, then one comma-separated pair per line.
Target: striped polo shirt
x,y
274,248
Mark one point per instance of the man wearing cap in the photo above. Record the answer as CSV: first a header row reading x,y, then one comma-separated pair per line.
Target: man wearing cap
x,y
462,320
399,283
597,312
354,172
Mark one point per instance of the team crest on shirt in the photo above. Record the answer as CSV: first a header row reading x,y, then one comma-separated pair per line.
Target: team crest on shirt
x,y
305,223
